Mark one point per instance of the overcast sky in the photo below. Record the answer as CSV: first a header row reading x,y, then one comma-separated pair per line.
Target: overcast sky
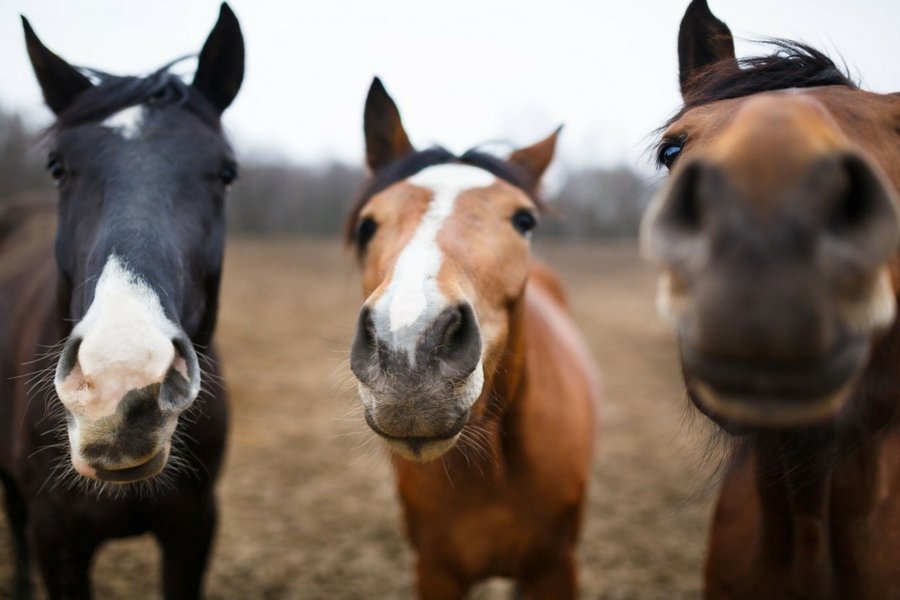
x,y
462,72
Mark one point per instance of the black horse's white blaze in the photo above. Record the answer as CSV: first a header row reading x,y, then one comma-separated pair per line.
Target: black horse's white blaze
x,y
127,364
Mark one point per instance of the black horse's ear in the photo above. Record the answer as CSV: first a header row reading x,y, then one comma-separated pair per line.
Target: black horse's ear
x,y
220,69
60,82
386,140
703,40
535,159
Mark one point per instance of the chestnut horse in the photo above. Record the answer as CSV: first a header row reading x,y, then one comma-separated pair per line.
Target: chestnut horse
x,y
778,238
469,366
96,437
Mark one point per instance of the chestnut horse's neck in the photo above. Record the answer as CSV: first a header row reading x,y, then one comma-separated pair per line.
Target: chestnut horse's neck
x,y
821,490
497,426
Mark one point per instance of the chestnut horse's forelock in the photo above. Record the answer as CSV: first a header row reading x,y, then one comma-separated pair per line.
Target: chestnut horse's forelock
x,y
416,162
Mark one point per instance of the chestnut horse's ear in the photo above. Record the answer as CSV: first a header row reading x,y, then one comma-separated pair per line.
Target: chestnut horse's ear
x,y
703,40
386,140
60,82
220,68
535,159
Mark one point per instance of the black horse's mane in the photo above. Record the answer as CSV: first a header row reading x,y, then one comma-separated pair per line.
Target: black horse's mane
x,y
791,65
112,93
412,163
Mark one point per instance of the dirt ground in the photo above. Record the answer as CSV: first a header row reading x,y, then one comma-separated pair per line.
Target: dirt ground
x,y
308,507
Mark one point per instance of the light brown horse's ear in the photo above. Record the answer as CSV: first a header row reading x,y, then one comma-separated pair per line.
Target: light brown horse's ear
x,y
60,82
535,159
386,140
703,40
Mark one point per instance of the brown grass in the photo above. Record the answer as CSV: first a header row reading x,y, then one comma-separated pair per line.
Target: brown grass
x,y
308,508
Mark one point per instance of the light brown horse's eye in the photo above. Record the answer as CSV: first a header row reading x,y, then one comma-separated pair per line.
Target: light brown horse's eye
x,y
669,151
365,231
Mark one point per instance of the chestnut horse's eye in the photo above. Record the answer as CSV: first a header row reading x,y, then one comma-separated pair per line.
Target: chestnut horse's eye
x,y
56,167
228,174
668,152
365,231
524,221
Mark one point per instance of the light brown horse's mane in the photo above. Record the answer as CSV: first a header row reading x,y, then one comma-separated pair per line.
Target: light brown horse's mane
x,y
791,65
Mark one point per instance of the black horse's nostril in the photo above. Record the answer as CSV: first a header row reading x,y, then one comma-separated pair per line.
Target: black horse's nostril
x,y
453,340
364,351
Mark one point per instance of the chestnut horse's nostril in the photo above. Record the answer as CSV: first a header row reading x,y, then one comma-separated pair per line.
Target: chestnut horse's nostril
x,y
364,351
454,341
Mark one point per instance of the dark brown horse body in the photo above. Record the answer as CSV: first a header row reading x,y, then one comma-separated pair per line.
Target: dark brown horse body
x,y
58,519
778,233
469,365
121,274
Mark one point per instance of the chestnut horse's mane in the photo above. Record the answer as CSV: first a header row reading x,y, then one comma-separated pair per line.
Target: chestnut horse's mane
x,y
412,163
792,65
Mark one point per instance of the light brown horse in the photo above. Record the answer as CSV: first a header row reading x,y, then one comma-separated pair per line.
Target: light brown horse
x,y
468,363
778,238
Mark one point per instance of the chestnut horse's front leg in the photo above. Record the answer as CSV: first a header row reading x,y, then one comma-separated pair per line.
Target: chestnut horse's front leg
x,y
435,582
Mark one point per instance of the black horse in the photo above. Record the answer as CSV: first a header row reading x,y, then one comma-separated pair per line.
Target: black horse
x,y
107,433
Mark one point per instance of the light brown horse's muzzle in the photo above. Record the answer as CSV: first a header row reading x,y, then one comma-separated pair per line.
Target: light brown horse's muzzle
x,y
776,296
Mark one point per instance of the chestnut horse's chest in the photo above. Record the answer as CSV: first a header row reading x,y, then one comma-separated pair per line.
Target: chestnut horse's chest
x,y
493,527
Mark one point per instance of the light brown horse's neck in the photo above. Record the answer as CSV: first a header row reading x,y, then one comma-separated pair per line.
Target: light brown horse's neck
x,y
815,510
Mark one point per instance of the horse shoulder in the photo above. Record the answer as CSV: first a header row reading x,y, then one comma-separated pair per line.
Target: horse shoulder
x,y
561,386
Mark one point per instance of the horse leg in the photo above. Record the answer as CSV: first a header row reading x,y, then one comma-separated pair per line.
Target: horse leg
x,y
64,557
185,544
437,583
16,511
555,580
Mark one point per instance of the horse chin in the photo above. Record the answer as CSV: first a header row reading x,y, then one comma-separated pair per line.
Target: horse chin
x,y
752,411
422,451
418,448
742,394
131,473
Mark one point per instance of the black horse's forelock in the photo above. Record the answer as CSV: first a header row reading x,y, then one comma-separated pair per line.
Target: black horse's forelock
x,y
112,93
407,166
791,65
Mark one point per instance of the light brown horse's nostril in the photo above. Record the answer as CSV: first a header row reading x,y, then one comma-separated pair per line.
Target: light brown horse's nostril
x,y
859,214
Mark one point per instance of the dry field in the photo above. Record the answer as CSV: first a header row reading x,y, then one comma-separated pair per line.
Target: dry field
x,y
308,509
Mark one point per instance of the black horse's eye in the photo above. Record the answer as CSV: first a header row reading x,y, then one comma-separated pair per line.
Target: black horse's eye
x,y
228,174
668,152
524,221
365,231
56,167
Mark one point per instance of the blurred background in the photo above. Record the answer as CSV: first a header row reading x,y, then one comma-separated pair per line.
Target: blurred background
x,y
308,508
505,73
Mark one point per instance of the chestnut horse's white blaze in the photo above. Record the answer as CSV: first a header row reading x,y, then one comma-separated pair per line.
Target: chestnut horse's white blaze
x,y
413,291
127,122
